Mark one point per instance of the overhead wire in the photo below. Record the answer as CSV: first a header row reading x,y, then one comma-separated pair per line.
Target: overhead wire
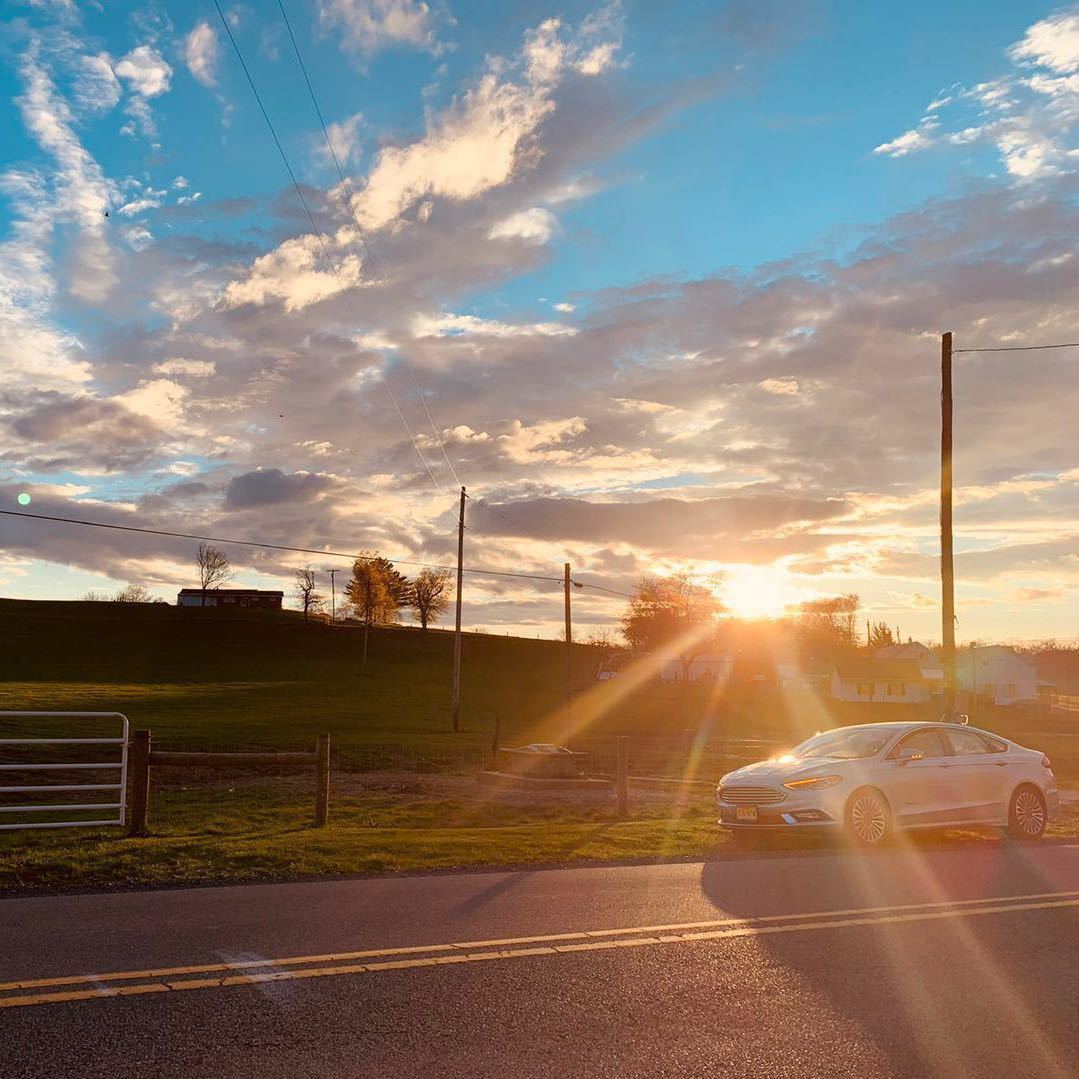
x,y
378,278
1018,348
274,546
314,224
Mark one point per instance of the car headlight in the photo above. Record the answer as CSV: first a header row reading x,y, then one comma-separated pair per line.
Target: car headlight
x,y
815,784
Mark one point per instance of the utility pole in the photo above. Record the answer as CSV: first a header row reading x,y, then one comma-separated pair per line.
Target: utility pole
x,y
947,570
569,642
457,629
333,596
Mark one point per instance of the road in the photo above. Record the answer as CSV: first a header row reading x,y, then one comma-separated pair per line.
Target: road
x,y
917,961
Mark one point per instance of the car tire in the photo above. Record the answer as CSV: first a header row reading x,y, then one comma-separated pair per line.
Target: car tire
x,y
868,818
1027,814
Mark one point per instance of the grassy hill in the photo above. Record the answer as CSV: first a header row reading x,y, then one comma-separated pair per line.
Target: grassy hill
x,y
206,675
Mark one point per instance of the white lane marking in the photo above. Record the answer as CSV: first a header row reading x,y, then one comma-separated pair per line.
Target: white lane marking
x,y
647,936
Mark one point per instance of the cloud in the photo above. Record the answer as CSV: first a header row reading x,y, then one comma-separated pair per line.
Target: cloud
x,y
1029,114
271,486
1051,43
146,71
202,52
190,368
448,325
345,138
297,274
480,142
97,89
535,226
366,26
780,387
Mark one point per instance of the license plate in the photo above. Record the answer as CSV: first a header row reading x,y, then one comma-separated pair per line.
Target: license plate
x,y
746,813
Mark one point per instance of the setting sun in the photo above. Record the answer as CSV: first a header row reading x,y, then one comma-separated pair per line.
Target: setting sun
x,y
757,592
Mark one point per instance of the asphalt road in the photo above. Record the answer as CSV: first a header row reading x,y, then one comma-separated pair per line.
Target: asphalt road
x,y
910,962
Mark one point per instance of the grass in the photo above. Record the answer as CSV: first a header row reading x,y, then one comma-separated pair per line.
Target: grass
x,y
265,834
239,678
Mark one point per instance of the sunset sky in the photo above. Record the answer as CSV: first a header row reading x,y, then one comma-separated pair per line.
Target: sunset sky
x,y
668,278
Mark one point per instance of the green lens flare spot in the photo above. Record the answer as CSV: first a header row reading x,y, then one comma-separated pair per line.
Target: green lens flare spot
x,y
24,499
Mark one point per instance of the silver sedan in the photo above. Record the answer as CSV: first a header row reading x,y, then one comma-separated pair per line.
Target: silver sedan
x,y
872,779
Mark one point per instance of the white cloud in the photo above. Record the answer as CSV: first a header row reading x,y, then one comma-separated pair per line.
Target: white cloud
x,y
909,141
146,71
160,400
139,238
369,25
480,142
201,53
345,136
565,308
191,368
782,387
1052,43
296,274
97,89
180,183
150,201
449,325
534,226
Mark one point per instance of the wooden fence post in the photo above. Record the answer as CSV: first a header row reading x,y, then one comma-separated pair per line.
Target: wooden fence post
x,y
139,767
621,775
322,788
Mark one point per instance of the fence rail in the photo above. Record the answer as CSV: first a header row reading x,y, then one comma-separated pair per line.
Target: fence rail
x,y
40,807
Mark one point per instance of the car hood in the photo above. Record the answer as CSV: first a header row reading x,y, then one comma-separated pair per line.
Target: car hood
x,y
779,771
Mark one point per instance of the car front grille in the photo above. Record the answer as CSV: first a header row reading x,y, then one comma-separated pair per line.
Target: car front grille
x,y
751,796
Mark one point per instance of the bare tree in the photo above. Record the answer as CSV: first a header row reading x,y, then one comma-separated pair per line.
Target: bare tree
x,y
673,612
428,597
214,568
95,597
310,599
133,593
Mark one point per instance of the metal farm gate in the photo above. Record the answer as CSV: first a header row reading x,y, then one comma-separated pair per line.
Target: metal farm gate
x,y
107,778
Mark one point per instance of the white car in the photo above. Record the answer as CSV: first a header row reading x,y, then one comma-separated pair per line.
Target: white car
x,y
875,778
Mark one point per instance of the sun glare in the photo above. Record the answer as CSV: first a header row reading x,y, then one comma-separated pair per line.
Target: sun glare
x,y
756,592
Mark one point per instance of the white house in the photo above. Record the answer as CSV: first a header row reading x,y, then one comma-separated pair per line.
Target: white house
x,y
997,673
928,663
880,681
709,666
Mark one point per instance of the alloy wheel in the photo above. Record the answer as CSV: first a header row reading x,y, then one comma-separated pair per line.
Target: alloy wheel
x,y
1029,813
868,818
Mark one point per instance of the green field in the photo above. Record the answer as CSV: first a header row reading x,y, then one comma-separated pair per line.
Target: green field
x,y
404,796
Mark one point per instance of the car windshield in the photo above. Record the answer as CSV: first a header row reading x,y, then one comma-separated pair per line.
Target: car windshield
x,y
844,745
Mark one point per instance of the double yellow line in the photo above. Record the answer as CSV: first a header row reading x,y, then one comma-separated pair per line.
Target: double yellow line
x,y
75,987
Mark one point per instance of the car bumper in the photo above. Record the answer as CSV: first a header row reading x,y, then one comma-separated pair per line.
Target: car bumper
x,y
777,818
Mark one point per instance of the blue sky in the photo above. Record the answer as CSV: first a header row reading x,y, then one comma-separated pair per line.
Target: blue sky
x,y
642,259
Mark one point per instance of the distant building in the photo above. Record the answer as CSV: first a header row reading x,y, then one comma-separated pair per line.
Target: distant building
x,y
881,681
998,674
230,597
707,667
927,661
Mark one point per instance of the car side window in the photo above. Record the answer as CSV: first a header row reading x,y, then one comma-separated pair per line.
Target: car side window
x,y
928,743
967,744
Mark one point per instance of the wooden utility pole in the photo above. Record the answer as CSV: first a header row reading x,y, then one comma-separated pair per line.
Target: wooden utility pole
x,y
569,641
333,596
457,628
947,571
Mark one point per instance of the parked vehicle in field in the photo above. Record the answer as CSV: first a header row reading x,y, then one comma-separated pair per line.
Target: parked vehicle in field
x,y
874,779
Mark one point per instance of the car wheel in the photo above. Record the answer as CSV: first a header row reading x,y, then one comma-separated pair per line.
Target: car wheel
x,y
868,818
1027,814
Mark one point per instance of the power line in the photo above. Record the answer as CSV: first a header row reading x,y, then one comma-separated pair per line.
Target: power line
x,y
360,229
273,546
314,223
603,588
1018,348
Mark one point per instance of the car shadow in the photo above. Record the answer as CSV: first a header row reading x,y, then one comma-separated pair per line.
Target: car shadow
x,y
923,989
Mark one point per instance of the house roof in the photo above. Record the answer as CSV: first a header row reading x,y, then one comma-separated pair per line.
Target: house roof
x,y
911,650
871,668
231,592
